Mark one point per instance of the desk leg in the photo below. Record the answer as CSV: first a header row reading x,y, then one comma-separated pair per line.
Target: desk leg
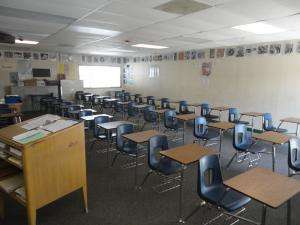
x,y
2,214
289,213
273,157
135,169
31,213
220,116
263,215
220,145
84,193
181,219
107,147
297,129
252,125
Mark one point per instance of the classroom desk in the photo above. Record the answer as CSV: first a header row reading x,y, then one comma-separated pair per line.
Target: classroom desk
x,y
140,138
76,112
269,188
159,113
220,109
291,120
109,127
275,139
186,155
222,126
252,115
185,118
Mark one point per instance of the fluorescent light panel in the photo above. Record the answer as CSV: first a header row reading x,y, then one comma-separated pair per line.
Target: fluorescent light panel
x,y
94,30
26,42
149,46
259,28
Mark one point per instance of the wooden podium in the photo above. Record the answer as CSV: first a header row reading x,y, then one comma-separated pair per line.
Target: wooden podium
x,y
52,166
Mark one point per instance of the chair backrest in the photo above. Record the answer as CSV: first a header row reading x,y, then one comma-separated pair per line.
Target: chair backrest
x,y
74,107
294,154
121,130
170,120
204,109
233,115
183,106
131,111
209,177
149,114
155,145
165,103
200,127
267,121
98,120
241,137
150,100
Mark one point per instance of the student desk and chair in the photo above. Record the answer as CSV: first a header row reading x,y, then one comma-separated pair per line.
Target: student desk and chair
x,y
291,120
186,155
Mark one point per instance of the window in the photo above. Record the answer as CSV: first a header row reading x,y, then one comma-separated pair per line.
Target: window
x,y
100,76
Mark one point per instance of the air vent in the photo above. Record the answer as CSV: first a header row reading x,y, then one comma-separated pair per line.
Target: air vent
x,y
182,7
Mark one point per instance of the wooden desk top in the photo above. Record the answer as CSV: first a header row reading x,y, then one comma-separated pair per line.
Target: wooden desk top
x,y
186,117
113,125
265,186
160,111
220,108
188,154
254,114
89,118
272,136
141,137
291,120
222,125
194,104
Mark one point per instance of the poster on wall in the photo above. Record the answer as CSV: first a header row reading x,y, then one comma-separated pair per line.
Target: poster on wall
x,y
181,56
18,55
288,49
240,51
193,55
187,55
35,56
275,49
201,54
220,52
53,56
206,68
262,49
230,52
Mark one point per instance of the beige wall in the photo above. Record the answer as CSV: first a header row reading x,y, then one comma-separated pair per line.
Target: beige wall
x,y
254,83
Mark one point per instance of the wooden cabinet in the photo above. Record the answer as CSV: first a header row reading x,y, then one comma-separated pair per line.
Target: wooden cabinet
x,y
52,167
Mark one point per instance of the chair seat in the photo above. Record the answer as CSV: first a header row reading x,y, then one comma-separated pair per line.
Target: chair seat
x,y
226,198
210,134
253,147
130,150
167,166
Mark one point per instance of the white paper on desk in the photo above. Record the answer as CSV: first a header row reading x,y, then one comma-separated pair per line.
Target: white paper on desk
x,y
40,121
29,134
59,125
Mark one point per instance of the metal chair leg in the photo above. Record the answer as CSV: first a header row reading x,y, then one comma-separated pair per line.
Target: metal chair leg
x,y
145,178
115,158
231,160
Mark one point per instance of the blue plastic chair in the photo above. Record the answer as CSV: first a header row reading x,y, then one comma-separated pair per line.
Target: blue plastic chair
x,y
123,145
213,190
131,111
150,116
245,146
160,165
183,107
165,103
203,132
268,124
151,100
205,112
170,120
234,116
294,156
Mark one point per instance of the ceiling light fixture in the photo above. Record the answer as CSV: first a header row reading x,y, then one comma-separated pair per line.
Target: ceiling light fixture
x,y
149,46
26,42
259,28
94,30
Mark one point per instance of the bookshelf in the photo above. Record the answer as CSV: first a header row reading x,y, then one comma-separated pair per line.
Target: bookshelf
x,y
52,166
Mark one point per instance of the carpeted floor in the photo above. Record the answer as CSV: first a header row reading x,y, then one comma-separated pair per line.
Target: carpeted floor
x,y
114,201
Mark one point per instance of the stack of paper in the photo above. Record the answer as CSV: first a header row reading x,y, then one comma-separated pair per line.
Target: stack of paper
x,y
12,183
15,161
40,121
30,136
3,154
59,125
21,193
15,151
